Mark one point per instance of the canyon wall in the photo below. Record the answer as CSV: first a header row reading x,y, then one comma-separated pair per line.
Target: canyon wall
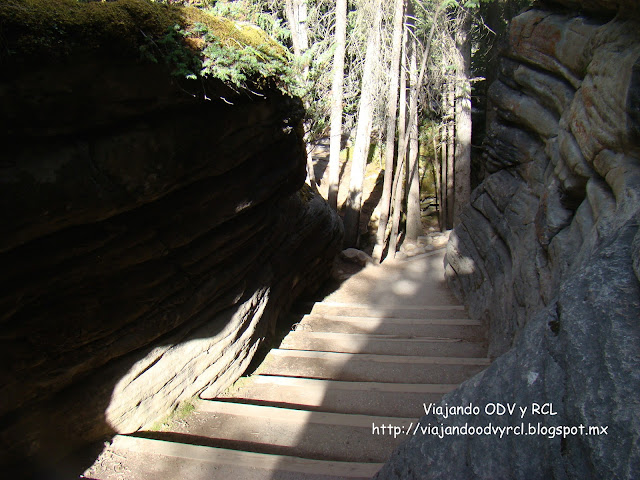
x,y
153,230
547,255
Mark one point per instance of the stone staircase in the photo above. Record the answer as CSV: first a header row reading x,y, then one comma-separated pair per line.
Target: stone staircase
x,y
343,389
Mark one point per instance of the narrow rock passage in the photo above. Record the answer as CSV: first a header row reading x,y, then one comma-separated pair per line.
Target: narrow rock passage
x,y
343,389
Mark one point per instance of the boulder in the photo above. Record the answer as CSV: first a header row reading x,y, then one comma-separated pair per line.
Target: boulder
x,y
546,255
354,255
153,229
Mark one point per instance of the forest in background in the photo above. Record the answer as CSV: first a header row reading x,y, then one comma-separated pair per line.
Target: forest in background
x,y
404,78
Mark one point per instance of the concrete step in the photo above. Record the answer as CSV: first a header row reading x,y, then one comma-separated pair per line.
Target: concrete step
x,y
381,344
365,398
460,329
359,367
383,311
136,458
290,432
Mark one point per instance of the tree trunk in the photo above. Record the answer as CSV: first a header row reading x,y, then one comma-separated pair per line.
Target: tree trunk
x,y
463,118
296,13
450,149
398,192
288,11
311,174
392,107
435,168
363,132
300,12
414,217
442,199
336,103
404,139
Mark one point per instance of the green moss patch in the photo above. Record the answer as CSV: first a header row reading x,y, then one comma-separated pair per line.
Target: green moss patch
x,y
49,29
192,42
181,412
232,34
306,194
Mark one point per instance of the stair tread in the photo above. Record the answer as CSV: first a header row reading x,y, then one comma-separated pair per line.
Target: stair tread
x,y
368,357
366,386
366,367
199,462
387,337
381,311
367,398
329,303
285,431
297,416
394,320
382,344
380,327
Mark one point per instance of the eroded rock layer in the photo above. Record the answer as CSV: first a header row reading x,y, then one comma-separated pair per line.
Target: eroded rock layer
x,y
547,255
152,232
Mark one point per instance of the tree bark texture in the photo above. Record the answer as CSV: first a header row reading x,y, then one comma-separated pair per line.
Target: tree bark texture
x,y
462,169
414,220
363,132
398,191
296,12
403,140
392,110
336,103
442,180
436,168
450,150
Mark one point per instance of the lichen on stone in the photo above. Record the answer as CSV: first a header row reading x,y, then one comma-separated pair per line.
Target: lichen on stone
x,y
306,194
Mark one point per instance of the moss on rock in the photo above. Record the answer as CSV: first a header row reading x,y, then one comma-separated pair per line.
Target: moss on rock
x,y
49,29
234,34
306,194
42,31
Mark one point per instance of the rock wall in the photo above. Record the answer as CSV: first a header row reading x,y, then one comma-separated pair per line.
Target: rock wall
x,y
152,233
546,254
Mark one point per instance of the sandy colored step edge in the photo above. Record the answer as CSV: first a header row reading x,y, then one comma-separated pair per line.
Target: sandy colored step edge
x,y
458,322
368,306
382,345
386,337
369,357
246,459
299,416
323,385
354,386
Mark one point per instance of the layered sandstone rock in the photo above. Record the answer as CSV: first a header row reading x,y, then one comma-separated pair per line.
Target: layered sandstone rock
x,y
152,232
547,255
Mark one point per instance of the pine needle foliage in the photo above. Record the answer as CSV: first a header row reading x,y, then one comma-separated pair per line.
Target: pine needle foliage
x,y
239,63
